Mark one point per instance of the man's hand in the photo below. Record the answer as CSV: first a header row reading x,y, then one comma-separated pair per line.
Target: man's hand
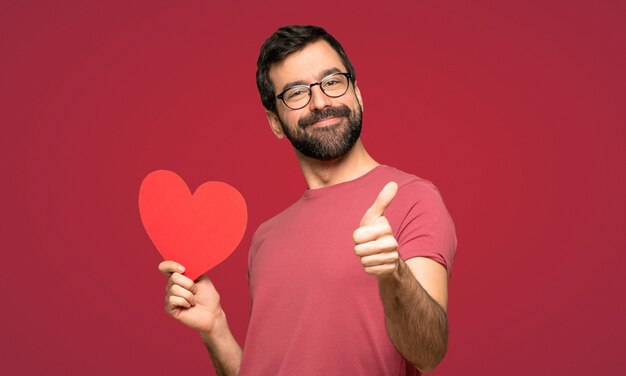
x,y
374,240
196,305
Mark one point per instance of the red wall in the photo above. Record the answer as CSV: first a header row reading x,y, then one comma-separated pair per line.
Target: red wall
x,y
516,110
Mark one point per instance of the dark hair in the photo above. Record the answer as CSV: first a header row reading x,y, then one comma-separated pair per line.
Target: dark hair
x,y
284,42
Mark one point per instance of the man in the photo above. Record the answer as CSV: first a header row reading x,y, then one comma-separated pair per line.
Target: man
x,y
352,278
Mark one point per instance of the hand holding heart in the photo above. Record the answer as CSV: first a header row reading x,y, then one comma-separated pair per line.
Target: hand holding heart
x,y
374,240
195,304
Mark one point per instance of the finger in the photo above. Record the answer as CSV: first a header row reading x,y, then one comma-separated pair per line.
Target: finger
x,y
168,267
178,290
185,282
385,244
380,269
372,232
174,302
380,259
384,199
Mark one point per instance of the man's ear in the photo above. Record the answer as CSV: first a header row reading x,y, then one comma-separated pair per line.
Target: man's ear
x,y
358,95
272,118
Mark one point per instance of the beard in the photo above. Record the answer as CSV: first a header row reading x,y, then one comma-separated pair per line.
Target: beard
x,y
329,142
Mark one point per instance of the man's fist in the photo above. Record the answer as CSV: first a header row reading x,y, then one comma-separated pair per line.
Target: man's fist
x,y
195,304
374,241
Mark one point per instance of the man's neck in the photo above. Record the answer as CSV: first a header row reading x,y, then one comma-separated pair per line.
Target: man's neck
x,y
352,165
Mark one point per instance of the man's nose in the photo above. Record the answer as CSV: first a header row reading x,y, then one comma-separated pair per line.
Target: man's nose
x,y
319,100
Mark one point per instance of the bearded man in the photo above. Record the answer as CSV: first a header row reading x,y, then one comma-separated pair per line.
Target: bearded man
x,y
352,279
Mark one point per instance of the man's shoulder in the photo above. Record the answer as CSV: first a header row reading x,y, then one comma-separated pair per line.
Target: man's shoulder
x,y
406,181
275,219
415,194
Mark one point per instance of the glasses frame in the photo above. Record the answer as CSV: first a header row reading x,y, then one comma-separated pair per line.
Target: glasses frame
x,y
281,96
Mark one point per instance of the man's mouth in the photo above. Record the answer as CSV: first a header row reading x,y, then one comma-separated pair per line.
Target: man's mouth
x,y
326,117
325,122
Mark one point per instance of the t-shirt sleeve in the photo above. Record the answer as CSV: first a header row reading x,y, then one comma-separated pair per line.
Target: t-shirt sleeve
x,y
421,223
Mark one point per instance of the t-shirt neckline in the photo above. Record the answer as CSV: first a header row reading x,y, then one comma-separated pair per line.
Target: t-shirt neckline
x,y
316,192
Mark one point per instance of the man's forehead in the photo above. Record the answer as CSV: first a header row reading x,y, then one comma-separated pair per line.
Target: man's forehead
x,y
309,64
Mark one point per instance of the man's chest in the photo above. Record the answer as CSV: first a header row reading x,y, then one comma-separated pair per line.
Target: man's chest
x,y
308,254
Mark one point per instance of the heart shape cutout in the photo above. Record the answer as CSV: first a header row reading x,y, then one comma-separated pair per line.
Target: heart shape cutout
x,y
198,230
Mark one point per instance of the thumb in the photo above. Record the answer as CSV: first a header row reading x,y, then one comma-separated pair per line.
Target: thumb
x,y
384,199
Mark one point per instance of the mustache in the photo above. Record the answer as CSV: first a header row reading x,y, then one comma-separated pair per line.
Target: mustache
x,y
314,117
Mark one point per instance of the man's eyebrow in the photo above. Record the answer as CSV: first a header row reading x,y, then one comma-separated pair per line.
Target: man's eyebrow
x,y
328,72
292,84
323,74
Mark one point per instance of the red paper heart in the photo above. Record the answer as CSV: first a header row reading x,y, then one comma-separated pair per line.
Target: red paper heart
x,y
200,230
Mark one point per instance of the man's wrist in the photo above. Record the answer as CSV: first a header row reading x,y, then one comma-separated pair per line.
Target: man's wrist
x,y
395,275
218,329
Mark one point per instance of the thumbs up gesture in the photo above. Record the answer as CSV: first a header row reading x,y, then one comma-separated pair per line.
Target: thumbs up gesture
x,y
374,240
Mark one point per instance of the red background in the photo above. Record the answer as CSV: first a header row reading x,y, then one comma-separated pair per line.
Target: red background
x,y
514,109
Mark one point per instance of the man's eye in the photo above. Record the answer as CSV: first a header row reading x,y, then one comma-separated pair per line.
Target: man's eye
x,y
296,94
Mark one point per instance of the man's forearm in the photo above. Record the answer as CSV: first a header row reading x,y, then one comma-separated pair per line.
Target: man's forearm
x,y
223,347
416,324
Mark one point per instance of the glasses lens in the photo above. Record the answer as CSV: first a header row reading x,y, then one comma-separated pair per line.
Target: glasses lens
x,y
296,97
335,85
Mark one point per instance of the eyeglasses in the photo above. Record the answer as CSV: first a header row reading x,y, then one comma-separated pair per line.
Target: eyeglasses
x,y
334,86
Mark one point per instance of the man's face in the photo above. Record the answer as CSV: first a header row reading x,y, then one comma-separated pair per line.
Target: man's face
x,y
326,128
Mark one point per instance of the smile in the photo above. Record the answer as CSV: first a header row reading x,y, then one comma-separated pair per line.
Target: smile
x,y
326,122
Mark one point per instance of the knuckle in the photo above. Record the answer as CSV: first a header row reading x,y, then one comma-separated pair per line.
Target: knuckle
x,y
355,237
359,234
360,249
393,256
388,242
174,278
188,295
171,290
392,244
383,226
372,271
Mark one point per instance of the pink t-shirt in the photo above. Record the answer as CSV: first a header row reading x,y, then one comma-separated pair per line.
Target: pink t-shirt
x,y
314,309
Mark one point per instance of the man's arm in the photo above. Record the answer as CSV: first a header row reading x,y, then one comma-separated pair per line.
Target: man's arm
x,y
416,323
414,293
224,350
197,305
